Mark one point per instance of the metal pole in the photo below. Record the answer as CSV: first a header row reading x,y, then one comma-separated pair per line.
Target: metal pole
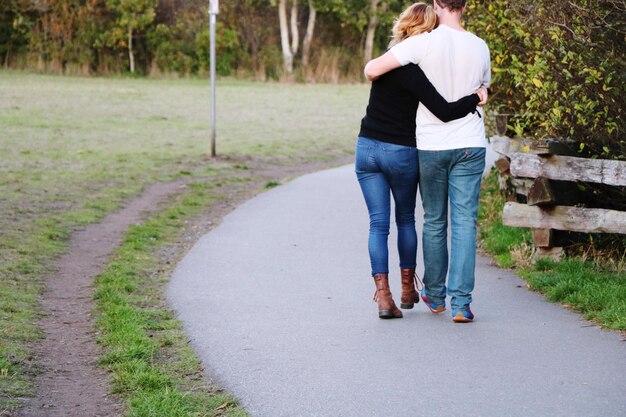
x,y
212,18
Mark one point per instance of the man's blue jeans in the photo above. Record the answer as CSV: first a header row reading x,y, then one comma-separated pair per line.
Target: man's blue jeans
x,y
384,168
455,175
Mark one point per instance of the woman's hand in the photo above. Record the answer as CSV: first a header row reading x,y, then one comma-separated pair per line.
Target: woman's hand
x,y
483,94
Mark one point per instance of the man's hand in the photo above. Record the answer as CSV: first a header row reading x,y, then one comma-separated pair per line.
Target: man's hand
x,y
483,94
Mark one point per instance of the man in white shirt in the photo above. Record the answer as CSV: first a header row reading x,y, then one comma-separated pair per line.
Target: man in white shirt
x,y
451,155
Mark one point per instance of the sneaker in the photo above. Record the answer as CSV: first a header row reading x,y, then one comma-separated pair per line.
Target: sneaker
x,y
462,315
433,306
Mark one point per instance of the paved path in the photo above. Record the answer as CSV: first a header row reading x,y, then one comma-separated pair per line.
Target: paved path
x,y
277,301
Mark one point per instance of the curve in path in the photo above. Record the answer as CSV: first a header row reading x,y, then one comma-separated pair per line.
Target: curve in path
x,y
277,302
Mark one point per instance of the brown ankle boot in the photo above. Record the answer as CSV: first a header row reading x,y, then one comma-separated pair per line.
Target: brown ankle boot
x,y
410,296
386,307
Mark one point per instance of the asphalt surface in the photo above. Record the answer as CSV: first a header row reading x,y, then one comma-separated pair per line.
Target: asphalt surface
x,y
277,301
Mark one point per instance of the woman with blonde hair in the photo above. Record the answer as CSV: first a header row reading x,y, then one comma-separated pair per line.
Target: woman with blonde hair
x,y
386,160
417,18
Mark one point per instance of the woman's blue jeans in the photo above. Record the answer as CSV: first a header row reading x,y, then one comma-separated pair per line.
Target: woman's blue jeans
x,y
455,175
384,169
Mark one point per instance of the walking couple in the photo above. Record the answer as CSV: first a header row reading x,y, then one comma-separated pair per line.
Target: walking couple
x,y
439,144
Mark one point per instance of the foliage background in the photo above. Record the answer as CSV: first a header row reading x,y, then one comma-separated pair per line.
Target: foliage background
x,y
558,66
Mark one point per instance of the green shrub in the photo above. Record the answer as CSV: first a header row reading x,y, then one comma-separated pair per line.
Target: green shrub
x,y
559,68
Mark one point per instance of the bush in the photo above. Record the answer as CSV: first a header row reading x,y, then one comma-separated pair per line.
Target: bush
x,y
558,68
226,46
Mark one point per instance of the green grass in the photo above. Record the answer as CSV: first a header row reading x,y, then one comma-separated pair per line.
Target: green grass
x,y
73,149
591,287
497,239
145,348
599,294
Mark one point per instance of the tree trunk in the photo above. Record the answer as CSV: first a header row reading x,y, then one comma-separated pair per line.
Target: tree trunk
x,y
295,35
371,30
284,36
308,37
131,54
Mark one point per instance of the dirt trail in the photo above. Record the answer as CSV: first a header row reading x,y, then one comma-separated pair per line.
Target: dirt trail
x,y
71,384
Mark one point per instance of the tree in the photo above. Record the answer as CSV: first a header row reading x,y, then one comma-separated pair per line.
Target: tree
x,y
295,35
308,37
132,16
371,30
14,29
289,48
366,16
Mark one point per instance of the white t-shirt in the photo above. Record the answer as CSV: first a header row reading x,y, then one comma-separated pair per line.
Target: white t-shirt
x,y
457,63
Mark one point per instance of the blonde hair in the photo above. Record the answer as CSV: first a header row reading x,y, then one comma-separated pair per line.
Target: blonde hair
x,y
416,19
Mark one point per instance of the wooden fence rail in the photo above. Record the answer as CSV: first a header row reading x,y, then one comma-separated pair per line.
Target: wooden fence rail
x,y
574,219
568,168
547,183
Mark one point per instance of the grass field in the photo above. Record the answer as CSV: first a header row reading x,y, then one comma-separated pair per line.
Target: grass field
x,y
72,149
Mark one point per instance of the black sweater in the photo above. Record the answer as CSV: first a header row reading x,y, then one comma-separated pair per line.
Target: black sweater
x,y
394,97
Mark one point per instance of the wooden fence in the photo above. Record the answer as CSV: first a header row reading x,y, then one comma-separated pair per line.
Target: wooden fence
x,y
543,181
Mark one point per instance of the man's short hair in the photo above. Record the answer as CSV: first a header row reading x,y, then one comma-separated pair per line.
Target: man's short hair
x,y
451,5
